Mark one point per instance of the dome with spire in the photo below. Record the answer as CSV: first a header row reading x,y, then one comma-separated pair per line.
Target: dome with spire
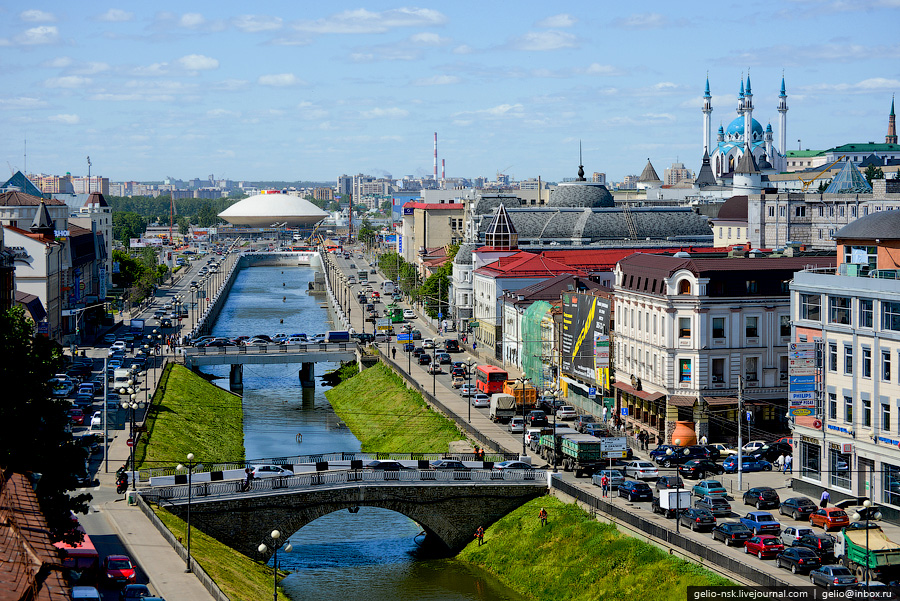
x,y
581,193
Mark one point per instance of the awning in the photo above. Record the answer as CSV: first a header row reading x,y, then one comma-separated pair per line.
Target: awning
x,y
32,304
641,394
720,400
682,401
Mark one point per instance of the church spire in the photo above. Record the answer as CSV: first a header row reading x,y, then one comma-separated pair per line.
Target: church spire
x,y
891,137
42,223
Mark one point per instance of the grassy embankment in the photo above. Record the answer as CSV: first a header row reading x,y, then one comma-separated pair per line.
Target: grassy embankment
x,y
190,415
574,557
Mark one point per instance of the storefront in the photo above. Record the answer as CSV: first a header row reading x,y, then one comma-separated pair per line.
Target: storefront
x,y
641,409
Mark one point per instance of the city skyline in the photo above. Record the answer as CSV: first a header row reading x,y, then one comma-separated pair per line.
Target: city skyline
x,y
310,92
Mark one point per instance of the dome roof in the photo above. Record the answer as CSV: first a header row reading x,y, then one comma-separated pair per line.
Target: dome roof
x,y
736,129
263,210
581,195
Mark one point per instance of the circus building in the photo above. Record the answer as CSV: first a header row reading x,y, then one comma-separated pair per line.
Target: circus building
x,y
266,209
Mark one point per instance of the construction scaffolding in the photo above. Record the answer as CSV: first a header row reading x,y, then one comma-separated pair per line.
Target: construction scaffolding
x,y
537,344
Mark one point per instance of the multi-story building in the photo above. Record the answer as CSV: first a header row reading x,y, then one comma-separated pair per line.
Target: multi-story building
x,y
430,225
687,327
851,446
730,224
676,174
94,183
326,194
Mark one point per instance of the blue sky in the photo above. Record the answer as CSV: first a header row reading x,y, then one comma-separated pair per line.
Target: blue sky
x,y
310,90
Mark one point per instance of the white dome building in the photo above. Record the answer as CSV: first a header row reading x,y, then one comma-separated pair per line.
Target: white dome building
x,y
263,210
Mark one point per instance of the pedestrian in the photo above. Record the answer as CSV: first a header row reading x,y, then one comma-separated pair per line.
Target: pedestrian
x,y
604,484
603,413
788,461
479,535
823,502
542,514
779,463
474,345
394,353
248,482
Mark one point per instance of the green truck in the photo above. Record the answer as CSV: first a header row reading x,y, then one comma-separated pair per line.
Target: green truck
x,y
575,452
883,561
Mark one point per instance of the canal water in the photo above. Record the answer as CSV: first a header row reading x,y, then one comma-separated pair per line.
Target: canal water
x,y
370,555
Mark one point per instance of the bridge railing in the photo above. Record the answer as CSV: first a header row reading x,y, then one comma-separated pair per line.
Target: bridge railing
x,y
270,349
319,458
353,477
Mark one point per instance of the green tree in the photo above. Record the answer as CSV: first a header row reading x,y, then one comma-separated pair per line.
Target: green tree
x,y
873,172
207,216
386,206
127,225
35,439
435,290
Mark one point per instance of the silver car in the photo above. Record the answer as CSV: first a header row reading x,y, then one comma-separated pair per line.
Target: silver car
x,y
642,470
615,478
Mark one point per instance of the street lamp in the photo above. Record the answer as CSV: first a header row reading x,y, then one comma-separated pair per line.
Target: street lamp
x,y
469,365
525,383
434,372
867,504
670,452
191,464
131,403
262,548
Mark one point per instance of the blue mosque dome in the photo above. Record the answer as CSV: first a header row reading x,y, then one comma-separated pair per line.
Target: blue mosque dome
x,y
736,129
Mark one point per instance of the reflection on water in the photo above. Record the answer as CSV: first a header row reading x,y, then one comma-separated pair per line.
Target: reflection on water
x,y
370,555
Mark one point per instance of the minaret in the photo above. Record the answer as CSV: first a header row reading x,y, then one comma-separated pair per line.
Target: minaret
x,y
748,114
891,137
782,122
707,112
768,137
580,165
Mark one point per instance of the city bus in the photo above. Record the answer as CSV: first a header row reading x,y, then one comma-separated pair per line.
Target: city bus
x,y
363,276
490,379
81,560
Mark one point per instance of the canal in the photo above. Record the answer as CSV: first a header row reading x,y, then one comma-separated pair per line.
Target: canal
x,y
371,555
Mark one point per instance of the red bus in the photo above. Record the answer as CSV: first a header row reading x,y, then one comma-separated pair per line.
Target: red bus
x,y
81,560
490,379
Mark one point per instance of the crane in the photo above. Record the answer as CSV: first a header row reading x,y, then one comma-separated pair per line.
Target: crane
x,y
502,171
807,182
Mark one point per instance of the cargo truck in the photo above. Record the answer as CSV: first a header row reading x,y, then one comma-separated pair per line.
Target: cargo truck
x,y
523,393
580,453
884,554
671,501
503,407
136,326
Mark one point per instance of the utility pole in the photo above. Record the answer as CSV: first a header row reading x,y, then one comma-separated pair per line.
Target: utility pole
x,y
740,471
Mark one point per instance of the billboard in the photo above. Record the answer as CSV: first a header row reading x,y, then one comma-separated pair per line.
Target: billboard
x,y
585,326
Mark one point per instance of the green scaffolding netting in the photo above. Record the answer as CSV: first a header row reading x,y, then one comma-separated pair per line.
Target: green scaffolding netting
x,y
537,337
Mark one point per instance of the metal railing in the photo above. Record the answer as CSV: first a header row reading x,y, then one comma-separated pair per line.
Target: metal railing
x,y
352,477
270,349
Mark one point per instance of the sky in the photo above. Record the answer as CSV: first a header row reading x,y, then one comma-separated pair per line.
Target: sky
x,y
311,90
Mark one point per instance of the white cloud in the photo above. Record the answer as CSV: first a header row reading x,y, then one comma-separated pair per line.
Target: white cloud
x,y
91,68
279,80
557,21
215,113
642,21
36,36
665,85
65,118
191,20
463,49
645,119
230,85
198,62
136,97
388,113
37,16
428,39
544,40
59,62
21,102
365,21
257,23
598,69
68,81
501,110
116,15
437,80
154,70
876,84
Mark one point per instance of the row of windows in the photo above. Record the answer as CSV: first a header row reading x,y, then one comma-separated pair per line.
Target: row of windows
x,y
840,311
633,362
738,235
847,365
844,410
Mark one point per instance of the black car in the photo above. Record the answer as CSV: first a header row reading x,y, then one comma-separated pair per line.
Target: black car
x,y
391,466
772,451
798,559
821,544
664,482
699,468
449,464
424,359
681,455
762,497
582,419
714,453
697,519
365,337
451,346
444,358
549,405
732,533
717,506
799,508
634,490
458,372
417,351
536,418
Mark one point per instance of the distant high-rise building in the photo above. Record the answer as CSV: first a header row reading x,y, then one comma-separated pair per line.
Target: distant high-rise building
x,y
599,178
86,185
676,173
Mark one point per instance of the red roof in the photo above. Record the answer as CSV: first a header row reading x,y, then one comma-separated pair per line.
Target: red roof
x,y
430,206
525,264
605,259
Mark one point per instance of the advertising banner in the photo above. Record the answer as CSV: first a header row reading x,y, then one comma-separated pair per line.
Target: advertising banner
x,y
585,318
802,379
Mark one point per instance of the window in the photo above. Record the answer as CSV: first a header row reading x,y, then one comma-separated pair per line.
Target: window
x,y
810,455
751,327
811,307
729,233
840,468
890,483
684,287
839,309
800,211
751,370
890,316
885,417
841,210
848,359
684,370
821,211
866,314
684,327
718,327
782,211
848,409
866,362
866,256
718,370
751,287
783,368
832,356
886,366
771,211
785,326
867,413
832,406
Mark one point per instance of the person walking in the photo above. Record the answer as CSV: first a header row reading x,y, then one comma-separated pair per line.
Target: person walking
x,y
604,484
479,535
779,463
394,352
788,462
823,501
542,514
603,414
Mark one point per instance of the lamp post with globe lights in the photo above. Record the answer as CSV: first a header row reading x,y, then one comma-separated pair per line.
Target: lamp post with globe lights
x,y
669,453
524,382
873,516
190,465
131,402
276,543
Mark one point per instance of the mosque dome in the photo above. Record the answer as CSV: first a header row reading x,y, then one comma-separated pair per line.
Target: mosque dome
x,y
735,130
265,209
581,195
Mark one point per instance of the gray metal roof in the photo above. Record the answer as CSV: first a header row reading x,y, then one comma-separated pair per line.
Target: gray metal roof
x,y
581,194
464,254
488,203
880,225
649,174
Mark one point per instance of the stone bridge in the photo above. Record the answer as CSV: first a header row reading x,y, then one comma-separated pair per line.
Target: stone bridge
x,y
449,506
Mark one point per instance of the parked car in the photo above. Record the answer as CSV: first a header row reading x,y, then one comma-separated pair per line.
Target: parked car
x,y
642,470
449,464
724,449
598,430
665,482
797,559
680,455
832,577
732,533
772,451
699,468
697,518
135,591
764,545
513,465
795,533
748,464
516,425
752,446
717,506
798,508
761,522
615,478
269,471
821,544
581,420
761,496
118,570
709,488
635,491
566,413
480,400
829,518
536,418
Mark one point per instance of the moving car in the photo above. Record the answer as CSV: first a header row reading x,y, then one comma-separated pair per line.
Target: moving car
x,y
449,464
669,482
832,577
433,368
615,478
698,468
797,559
516,425
387,466
536,418
709,488
717,506
635,491
747,465
481,400
581,420
269,471
642,470
513,465
697,518
829,518
764,545
772,451
821,544
428,343
409,314
762,496
795,533
798,508
135,591
753,445
761,522
732,533
468,390
566,413
118,570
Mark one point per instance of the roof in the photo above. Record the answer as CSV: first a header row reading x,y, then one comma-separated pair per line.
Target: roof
x,y
649,173
735,208
868,148
705,177
878,225
720,400
581,194
432,206
747,164
605,259
18,180
33,304
263,210
525,264
641,394
464,254
801,154
36,237
682,401
550,289
96,198
15,198
849,180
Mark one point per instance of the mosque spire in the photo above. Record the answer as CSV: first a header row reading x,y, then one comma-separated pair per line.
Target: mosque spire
x,y
707,113
580,165
707,94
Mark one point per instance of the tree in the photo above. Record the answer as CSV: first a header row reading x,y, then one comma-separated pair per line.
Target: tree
x,y
873,172
35,440
127,225
207,216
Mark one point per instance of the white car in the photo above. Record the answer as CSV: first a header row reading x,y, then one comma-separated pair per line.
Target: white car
x,y
516,425
753,445
481,400
428,343
566,413
409,314
97,420
270,471
467,390
724,450
792,533
118,345
642,470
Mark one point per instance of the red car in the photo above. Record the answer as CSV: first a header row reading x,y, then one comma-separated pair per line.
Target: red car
x,y
764,545
119,570
76,416
829,517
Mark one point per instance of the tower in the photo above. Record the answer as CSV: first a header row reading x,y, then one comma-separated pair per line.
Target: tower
x,y
707,116
748,113
891,137
782,119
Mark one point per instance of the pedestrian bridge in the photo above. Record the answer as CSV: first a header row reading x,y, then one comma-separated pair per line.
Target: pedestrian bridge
x,y
449,505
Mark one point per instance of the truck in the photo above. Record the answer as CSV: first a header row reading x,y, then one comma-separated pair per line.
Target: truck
x,y
503,407
671,500
136,326
580,453
883,558
523,393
